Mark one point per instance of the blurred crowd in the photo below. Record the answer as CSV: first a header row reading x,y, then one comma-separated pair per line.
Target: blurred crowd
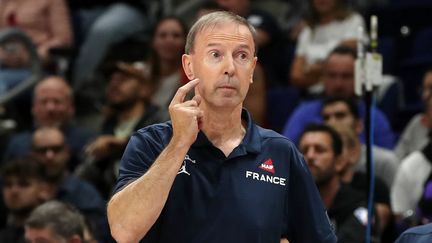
x,y
77,78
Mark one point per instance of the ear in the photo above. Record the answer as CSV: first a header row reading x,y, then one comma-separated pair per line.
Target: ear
x,y
253,69
188,66
341,163
358,127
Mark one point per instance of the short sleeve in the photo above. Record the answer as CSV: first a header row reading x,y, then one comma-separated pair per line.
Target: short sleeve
x,y
140,153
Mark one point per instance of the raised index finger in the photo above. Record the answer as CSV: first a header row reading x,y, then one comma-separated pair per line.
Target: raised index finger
x,y
183,90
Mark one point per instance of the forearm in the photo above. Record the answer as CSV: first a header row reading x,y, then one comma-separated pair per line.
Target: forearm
x,y
134,210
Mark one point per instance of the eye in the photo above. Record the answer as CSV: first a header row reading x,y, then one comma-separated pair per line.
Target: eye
x,y
215,54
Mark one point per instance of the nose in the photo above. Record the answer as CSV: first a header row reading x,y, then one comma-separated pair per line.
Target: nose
x,y
229,66
49,154
309,155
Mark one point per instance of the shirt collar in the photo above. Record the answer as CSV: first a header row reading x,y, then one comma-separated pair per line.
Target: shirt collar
x,y
251,141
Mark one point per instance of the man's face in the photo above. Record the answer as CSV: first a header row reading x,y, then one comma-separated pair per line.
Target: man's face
x,y
123,90
52,104
338,75
324,6
50,149
169,40
338,114
22,194
42,235
223,59
427,86
319,155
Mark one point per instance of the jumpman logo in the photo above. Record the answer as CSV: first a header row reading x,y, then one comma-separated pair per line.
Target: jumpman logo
x,y
183,167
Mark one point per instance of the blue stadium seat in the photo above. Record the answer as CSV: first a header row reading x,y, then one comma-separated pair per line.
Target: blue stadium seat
x,y
281,101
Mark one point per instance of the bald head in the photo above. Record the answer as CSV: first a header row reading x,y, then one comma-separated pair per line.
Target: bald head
x,y
52,102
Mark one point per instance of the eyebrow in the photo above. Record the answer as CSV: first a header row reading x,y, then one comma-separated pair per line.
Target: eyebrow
x,y
241,46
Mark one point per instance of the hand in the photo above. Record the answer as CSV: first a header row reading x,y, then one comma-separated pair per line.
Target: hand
x,y
105,146
185,115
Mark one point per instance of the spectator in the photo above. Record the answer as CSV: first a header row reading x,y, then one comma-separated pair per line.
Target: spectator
x,y
344,112
329,23
411,191
358,179
55,222
109,22
52,106
46,22
322,149
50,149
415,134
338,79
129,109
23,190
164,66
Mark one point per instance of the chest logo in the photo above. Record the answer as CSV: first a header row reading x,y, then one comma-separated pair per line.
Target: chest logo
x,y
183,167
268,166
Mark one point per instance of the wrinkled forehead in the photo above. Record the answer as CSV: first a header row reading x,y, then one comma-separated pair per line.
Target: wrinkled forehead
x,y
225,31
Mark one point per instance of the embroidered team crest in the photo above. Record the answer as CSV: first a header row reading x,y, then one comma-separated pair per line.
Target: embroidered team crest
x,y
183,167
268,166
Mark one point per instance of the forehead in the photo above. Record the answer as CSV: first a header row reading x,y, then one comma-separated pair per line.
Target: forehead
x,y
169,24
315,138
225,33
339,61
47,137
336,106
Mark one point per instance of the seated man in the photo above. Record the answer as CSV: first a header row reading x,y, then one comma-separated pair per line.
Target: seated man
x,y
23,190
339,111
50,149
52,106
338,80
129,109
54,221
322,149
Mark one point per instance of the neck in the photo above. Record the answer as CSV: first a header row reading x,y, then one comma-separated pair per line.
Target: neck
x,y
224,128
327,17
134,111
328,191
354,157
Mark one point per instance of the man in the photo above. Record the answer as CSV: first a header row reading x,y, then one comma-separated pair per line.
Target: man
x,y
129,109
211,175
50,149
55,222
322,148
338,80
52,106
415,135
338,111
24,188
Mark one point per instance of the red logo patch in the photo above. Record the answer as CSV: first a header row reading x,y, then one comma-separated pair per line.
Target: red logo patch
x,y
268,166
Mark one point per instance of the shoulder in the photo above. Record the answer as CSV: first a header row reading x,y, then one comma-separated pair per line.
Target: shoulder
x,y
159,131
421,233
270,137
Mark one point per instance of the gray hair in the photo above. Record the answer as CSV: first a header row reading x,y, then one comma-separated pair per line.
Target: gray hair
x,y
213,19
63,219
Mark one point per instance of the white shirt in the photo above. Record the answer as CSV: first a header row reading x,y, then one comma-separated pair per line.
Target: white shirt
x,y
408,185
316,44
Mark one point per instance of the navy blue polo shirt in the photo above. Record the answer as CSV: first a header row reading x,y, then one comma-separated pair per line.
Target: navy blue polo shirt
x,y
261,192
